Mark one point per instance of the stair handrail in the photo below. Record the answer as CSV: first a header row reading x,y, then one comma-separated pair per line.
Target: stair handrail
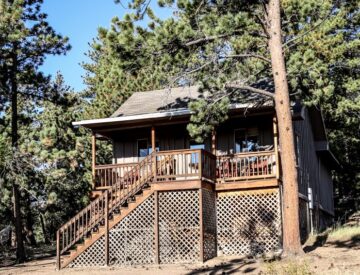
x,y
93,214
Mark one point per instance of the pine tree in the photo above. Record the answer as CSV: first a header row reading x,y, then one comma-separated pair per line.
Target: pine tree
x,y
62,154
25,39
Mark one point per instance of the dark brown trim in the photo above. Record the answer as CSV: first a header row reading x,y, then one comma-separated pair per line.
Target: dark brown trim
x,y
273,182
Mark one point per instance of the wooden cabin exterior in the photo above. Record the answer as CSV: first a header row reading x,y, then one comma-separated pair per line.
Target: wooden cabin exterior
x,y
167,199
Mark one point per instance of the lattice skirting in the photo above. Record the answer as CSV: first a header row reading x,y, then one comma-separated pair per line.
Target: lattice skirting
x,y
209,218
131,241
248,222
179,227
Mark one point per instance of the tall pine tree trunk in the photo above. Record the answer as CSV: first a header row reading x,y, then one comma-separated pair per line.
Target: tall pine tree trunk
x,y
29,222
20,250
43,228
291,230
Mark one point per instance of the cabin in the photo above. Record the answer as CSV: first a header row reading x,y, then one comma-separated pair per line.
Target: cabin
x,y
168,199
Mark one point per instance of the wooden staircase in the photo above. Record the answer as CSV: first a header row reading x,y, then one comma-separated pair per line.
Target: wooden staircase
x,y
105,211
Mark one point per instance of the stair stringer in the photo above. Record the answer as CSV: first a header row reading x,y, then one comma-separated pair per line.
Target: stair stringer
x,y
92,253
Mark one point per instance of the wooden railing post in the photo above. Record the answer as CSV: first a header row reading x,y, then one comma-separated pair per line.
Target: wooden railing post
x,y
276,149
200,152
154,166
93,160
58,263
106,227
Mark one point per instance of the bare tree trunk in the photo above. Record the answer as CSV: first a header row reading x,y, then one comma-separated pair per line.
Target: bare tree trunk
x,y
291,230
29,223
46,238
20,250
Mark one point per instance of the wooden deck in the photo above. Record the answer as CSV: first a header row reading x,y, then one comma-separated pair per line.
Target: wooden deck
x,y
179,169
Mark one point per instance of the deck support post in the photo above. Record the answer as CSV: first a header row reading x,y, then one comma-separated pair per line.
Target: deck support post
x,y
276,148
201,221
156,229
93,155
106,228
58,263
153,149
153,144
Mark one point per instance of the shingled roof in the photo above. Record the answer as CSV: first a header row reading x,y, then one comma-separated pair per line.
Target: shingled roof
x,y
158,101
166,100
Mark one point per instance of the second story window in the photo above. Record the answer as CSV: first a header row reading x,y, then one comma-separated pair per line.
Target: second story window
x,y
246,140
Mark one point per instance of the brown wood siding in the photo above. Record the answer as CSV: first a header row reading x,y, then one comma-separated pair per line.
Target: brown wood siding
x,y
310,174
326,188
172,137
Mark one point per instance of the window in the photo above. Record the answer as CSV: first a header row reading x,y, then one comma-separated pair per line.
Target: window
x,y
194,145
246,140
142,146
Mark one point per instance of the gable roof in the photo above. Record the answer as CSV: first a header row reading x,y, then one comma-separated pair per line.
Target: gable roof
x,y
168,104
178,99
158,101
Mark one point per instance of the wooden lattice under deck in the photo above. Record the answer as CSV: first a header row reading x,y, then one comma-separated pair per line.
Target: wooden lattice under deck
x,y
248,222
179,226
209,218
131,241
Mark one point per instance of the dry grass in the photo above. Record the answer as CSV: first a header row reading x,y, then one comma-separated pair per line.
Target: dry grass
x,y
345,233
288,268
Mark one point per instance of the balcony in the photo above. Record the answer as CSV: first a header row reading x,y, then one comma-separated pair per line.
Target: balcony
x,y
181,166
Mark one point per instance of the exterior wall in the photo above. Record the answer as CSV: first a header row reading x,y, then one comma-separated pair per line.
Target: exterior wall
x,y
313,173
173,137
326,188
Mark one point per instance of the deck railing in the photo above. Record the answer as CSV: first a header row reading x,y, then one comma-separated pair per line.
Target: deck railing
x,y
246,166
185,165
108,174
192,164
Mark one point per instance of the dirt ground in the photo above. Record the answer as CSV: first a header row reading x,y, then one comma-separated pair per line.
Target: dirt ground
x,y
322,256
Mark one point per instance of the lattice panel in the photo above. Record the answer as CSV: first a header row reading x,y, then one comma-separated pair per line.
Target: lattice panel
x,y
93,256
209,218
303,212
179,230
248,222
132,239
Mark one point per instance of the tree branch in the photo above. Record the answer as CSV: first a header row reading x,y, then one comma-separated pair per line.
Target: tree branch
x,y
307,32
251,89
214,37
248,55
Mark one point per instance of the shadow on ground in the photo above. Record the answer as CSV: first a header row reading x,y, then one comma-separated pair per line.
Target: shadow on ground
x,y
323,240
230,267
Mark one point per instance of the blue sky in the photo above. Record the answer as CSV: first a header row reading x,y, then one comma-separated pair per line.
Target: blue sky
x,y
78,20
